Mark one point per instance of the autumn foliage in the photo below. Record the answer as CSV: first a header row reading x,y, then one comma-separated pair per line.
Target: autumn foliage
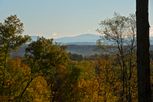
x,y
47,73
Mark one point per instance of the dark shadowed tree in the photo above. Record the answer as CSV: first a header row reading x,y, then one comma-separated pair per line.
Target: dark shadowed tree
x,y
143,61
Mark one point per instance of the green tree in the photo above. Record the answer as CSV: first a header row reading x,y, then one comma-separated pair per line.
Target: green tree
x,y
11,36
10,39
49,60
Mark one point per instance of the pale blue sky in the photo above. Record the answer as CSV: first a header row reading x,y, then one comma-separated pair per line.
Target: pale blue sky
x,y
57,18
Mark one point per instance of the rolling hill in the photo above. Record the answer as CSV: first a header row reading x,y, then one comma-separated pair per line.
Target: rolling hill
x,y
83,39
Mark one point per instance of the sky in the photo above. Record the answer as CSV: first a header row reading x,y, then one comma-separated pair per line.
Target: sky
x,y
60,18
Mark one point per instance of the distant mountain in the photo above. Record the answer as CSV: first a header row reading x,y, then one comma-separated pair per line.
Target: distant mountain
x,y
83,39
19,52
84,50
151,40
34,38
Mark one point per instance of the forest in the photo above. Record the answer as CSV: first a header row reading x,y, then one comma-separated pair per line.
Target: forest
x,y
48,73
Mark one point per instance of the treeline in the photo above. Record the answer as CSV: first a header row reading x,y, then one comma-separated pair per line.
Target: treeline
x,y
47,73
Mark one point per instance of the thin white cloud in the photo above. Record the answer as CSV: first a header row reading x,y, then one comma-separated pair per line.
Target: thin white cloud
x,y
53,35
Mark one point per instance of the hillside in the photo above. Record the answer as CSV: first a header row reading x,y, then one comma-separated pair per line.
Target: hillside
x,y
83,39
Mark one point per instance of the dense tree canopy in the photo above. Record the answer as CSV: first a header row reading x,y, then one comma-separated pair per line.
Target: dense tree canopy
x,y
49,73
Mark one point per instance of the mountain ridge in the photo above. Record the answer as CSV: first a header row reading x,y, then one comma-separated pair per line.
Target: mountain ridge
x,y
82,39
87,38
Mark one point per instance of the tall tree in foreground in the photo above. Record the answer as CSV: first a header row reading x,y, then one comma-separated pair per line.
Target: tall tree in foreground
x,y
143,61
121,31
11,38
11,35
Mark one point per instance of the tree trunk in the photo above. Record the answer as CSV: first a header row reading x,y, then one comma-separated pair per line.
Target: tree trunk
x,y
143,60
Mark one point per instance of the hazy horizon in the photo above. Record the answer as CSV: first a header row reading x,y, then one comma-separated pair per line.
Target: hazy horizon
x,y
56,19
